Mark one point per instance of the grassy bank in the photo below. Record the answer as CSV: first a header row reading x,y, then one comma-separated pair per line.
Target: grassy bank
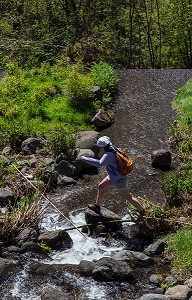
x,y
178,185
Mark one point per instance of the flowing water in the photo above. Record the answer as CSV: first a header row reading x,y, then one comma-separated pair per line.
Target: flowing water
x,y
142,116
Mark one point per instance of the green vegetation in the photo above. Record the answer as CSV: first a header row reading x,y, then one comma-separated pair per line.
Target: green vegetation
x,y
180,245
43,100
44,247
132,34
26,213
178,184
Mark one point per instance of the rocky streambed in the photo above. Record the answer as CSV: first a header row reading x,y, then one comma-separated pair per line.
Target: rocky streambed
x,y
117,266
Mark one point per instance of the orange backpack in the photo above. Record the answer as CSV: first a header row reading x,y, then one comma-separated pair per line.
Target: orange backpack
x,y
125,165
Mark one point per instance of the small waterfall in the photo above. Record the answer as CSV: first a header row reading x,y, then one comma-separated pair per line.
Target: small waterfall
x,y
82,249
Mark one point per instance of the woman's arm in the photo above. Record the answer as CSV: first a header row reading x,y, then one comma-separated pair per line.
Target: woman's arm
x,y
104,161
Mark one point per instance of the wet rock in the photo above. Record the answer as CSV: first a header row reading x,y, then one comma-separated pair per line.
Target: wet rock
x,y
31,247
156,248
104,215
12,249
86,268
154,297
50,293
179,292
65,180
101,119
161,159
6,196
138,259
8,267
65,168
109,269
31,145
56,240
26,235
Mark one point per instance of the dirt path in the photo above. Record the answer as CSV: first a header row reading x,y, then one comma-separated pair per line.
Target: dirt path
x,y
143,114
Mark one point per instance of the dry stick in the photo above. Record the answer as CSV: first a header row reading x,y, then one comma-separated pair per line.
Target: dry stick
x,y
98,223
50,202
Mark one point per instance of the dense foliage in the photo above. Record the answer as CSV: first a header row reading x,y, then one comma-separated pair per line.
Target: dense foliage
x,y
125,33
47,99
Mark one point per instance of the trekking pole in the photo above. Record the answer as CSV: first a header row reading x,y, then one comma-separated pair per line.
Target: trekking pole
x,y
53,205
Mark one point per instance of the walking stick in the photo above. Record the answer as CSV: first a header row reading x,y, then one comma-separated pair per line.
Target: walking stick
x,y
75,227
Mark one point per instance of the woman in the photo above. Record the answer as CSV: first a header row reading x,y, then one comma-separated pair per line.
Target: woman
x,y
114,178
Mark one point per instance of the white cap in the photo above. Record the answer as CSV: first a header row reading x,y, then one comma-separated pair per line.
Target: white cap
x,y
103,141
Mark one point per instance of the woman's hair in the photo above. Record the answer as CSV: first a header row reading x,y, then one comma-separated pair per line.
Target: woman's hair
x,y
107,147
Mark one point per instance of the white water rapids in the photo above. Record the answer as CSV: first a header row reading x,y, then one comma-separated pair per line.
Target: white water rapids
x,y
83,249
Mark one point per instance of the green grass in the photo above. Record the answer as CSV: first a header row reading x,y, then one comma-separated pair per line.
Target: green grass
x,y
178,184
41,100
180,248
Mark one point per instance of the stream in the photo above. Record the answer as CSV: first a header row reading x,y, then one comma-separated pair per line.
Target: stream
x,y
142,116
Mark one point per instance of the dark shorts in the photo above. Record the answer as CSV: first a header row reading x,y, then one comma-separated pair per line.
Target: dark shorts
x,y
121,183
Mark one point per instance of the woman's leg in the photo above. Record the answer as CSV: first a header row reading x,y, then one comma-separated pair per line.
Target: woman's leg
x,y
126,194
103,185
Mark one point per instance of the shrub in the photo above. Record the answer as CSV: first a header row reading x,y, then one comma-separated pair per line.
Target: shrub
x,y
104,76
15,132
79,90
63,141
26,213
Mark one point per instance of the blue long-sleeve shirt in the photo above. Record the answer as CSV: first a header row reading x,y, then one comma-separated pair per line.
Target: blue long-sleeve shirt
x,y
108,160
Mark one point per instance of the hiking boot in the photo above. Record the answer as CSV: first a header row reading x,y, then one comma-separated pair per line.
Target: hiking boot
x,y
95,207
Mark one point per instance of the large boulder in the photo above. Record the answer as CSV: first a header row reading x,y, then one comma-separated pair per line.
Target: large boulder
x,y
161,159
109,269
105,216
31,145
179,292
56,240
31,247
26,235
86,268
101,119
65,168
135,258
80,164
88,140
156,248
